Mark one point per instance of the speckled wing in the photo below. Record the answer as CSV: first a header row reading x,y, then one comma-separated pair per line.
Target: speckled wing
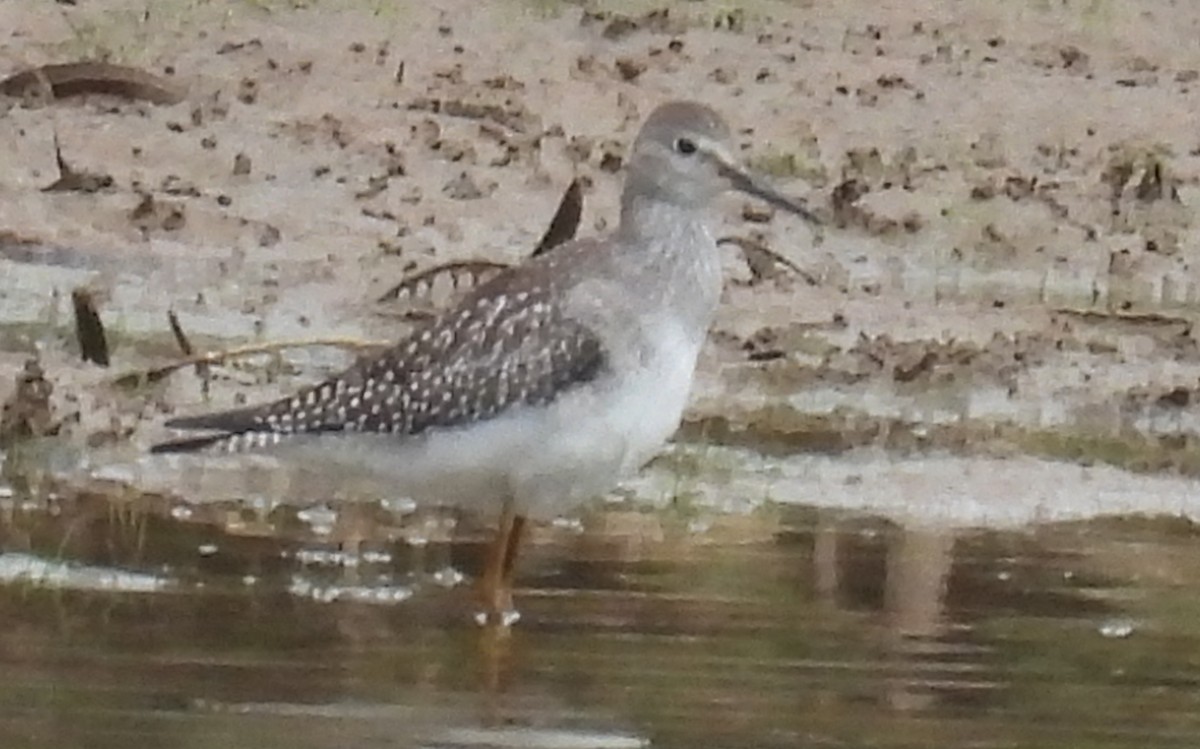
x,y
507,344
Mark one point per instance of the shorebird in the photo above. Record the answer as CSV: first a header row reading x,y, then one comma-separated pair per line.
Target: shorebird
x,y
544,386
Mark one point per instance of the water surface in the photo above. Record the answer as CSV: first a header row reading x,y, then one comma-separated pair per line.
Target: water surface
x,y
145,621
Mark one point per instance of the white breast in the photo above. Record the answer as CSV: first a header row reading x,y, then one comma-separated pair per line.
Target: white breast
x,y
604,434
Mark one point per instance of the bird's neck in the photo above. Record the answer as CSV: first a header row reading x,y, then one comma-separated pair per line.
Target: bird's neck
x,y
665,226
672,245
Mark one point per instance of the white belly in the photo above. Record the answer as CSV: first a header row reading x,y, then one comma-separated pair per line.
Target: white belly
x,y
549,460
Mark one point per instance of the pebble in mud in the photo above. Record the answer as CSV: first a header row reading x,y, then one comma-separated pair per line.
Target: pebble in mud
x,y
629,69
464,187
151,215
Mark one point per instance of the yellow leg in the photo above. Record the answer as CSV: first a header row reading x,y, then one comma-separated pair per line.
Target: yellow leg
x,y
496,582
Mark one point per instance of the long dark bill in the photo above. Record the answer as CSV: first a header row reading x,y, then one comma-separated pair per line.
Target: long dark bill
x,y
743,182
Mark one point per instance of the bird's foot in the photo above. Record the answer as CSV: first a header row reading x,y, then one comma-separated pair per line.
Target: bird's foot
x,y
502,619
496,608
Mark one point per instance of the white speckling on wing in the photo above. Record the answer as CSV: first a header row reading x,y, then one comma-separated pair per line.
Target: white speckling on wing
x,y
503,348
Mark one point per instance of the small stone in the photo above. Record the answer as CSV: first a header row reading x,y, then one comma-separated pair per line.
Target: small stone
x,y
268,236
463,187
630,69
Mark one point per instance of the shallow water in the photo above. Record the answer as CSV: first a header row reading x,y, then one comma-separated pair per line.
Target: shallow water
x,y
131,620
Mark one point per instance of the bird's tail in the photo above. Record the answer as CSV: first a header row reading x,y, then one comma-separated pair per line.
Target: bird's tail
x,y
227,441
237,430
234,420
210,443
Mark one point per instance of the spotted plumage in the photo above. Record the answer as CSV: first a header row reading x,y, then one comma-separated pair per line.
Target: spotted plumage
x,y
507,344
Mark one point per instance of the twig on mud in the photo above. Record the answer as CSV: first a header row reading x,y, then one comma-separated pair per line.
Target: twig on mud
x,y
460,276
89,330
764,263
1154,319
181,338
463,275
216,357
70,180
565,223
90,77
186,347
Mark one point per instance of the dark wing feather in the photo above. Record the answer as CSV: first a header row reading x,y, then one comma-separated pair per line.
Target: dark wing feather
x,y
224,442
508,343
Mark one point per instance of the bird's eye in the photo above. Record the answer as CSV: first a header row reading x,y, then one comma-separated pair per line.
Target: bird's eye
x,y
685,146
